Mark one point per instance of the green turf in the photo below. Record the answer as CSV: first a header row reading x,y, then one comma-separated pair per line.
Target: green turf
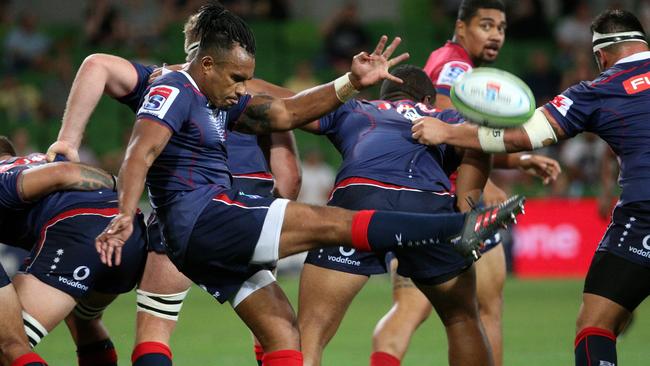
x,y
538,322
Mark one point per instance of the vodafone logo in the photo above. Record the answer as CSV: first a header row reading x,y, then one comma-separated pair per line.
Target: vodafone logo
x,y
81,273
546,241
637,84
645,242
346,251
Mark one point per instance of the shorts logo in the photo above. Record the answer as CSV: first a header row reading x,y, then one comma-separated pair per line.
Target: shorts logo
x,y
562,104
645,243
637,84
451,71
346,251
81,273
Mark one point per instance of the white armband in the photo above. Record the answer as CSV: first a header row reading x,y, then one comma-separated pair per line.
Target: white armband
x,y
491,139
539,130
344,88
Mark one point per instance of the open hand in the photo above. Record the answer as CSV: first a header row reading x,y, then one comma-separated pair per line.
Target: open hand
x,y
110,242
369,69
540,166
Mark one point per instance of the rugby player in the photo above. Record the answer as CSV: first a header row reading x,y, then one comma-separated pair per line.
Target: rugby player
x,y
20,188
615,107
178,146
163,288
478,36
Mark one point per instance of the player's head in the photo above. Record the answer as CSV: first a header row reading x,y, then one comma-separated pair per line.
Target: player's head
x,y
6,147
225,58
480,29
416,86
192,39
616,34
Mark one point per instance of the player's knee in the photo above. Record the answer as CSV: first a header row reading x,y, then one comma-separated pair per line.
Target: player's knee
x,y
88,312
34,329
164,306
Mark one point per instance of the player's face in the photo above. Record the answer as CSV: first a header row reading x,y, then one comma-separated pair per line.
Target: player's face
x,y
226,81
484,35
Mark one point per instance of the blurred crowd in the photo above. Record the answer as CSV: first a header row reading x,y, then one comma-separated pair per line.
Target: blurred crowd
x,y
38,65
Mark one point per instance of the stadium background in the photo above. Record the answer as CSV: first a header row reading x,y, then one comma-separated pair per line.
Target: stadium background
x,y
302,43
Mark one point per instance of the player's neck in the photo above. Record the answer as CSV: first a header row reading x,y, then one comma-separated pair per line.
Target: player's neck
x,y
476,62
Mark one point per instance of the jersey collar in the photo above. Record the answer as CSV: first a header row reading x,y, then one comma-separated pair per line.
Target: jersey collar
x,y
635,57
190,79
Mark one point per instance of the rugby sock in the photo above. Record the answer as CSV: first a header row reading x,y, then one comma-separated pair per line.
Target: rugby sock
x,y
383,359
100,353
595,347
286,357
384,230
259,353
29,359
151,354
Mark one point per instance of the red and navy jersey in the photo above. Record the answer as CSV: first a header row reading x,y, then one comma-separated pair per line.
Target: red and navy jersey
x,y
21,221
616,107
374,139
196,154
446,64
245,158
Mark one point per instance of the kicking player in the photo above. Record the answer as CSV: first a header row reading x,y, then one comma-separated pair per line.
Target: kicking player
x,y
222,239
615,107
19,187
162,290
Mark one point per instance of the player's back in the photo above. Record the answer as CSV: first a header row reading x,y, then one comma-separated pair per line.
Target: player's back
x,y
374,139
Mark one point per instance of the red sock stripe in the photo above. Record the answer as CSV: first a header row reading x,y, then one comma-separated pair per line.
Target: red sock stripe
x,y
383,359
31,357
593,331
287,357
145,348
360,223
104,357
259,352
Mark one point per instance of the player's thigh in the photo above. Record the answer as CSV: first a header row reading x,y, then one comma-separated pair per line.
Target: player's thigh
x,y
45,303
490,278
162,277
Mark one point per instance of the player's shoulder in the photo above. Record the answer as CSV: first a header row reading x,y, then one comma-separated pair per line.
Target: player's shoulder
x,y
451,54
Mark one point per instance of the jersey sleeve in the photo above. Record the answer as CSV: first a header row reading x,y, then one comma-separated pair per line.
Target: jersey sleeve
x,y
132,100
573,108
329,123
234,112
9,197
449,74
168,103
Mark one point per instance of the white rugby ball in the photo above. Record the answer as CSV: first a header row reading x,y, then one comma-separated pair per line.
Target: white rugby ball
x,y
493,98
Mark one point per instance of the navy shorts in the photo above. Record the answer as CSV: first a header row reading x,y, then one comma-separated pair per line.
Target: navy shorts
x,y
4,279
251,186
628,234
65,257
427,262
221,246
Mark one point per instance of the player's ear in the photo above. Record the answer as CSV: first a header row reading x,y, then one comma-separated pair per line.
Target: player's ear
x,y
460,28
428,101
207,63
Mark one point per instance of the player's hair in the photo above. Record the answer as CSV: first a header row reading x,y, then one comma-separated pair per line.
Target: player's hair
x,y
221,30
469,8
191,36
6,147
416,84
615,21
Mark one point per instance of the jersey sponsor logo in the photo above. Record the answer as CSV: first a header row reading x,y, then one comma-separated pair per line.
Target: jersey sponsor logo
x,y
408,111
562,104
451,71
158,101
637,84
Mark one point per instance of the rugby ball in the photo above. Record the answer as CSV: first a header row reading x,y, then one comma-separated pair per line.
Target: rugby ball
x,y
493,98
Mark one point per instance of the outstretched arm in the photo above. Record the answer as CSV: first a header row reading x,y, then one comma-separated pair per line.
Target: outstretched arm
x,y
148,140
543,167
285,166
37,182
98,74
265,113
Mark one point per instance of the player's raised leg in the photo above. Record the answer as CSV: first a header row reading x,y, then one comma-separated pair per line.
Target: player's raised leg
x,y
324,298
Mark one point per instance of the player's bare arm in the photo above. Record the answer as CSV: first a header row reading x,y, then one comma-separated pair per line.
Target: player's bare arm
x,y
147,142
265,113
285,166
98,74
473,173
431,131
42,180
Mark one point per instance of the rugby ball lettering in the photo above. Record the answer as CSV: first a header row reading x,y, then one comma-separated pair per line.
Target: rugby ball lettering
x,y
493,98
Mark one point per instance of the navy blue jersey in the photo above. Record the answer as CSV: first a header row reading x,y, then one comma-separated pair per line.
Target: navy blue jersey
x,y
374,139
244,155
616,107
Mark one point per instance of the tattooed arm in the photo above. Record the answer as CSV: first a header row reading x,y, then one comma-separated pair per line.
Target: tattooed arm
x,y
37,182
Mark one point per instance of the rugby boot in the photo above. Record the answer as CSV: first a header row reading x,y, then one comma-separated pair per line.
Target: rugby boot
x,y
481,223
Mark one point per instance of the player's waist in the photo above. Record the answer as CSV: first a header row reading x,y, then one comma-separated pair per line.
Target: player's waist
x,y
368,182
635,190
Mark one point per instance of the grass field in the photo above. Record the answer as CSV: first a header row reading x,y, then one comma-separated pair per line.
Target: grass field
x,y
538,325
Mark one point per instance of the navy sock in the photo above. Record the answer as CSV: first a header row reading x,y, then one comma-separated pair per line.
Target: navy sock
x,y
595,347
100,353
151,354
385,230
